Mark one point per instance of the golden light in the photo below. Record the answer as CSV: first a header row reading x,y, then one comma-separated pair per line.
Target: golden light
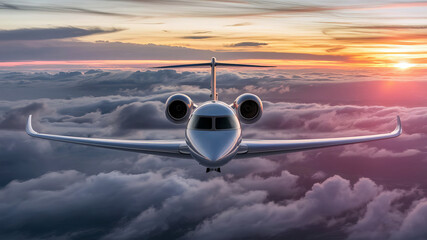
x,y
404,65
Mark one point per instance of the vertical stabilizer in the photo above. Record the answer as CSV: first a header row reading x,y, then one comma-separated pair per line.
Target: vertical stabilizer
x,y
214,94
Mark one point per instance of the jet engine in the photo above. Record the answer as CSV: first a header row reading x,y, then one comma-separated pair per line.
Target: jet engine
x,y
248,107
179,108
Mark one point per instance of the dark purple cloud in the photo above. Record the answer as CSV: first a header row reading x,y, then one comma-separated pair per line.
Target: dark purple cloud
x,y
51,33
54,50
411,227
333,197
380,219
247,44
15,119
197,37
156,206
135,197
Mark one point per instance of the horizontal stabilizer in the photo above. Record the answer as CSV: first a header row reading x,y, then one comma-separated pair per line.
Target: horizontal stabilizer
x,y
186,65
210,65
240,65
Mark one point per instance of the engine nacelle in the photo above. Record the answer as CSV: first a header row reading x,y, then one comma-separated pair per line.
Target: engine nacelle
x,y
248,107
179,108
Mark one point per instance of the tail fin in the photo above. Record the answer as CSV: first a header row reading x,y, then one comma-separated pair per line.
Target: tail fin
x,y
213,64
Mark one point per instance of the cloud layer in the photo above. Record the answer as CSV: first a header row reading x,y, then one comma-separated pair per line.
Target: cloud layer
x,y
54,50
159,206
50,33
57,190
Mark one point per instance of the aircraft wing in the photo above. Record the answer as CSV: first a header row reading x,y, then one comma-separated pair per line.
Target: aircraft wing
x,y
171,148
253,148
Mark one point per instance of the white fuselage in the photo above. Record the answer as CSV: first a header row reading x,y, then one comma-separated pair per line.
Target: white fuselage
x,y
213,134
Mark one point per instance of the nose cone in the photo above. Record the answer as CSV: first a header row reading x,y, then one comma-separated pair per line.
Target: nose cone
x,y
213,145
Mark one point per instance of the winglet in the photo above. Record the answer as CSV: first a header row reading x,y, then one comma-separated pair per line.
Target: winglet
x,y
29,128
398,129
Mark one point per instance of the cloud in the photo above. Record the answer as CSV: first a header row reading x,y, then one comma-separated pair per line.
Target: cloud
x,y
411,227
374,152
60,9
201,32
197,37
8,6
148,115
154,205
330,198
51,33
377,34
54,50
168,216
391,216
70,194
247,44
319,175
335,49
380,218
15,119
236,9
22,157
211,8
240,8
279,187
390,27
239,24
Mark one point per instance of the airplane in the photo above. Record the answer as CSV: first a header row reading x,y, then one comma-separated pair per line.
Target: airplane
x,y
213,134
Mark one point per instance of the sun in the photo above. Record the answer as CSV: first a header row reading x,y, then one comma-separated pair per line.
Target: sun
x,y
403,65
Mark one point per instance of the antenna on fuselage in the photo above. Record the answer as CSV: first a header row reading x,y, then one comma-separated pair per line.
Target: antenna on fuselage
x,y
213,64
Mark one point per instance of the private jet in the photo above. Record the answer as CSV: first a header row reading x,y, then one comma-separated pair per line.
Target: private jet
x,y
213,134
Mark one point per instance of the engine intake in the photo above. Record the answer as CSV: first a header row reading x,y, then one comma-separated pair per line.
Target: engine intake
x,y
179,108
248,107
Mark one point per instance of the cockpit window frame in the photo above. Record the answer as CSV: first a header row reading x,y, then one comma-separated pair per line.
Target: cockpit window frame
x,y
213,118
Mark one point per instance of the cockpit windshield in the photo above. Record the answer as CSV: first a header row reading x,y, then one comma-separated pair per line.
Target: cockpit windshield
x,y
225,123
212,123
202,123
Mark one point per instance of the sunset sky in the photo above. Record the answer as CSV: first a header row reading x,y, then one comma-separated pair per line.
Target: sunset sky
x,y
333,34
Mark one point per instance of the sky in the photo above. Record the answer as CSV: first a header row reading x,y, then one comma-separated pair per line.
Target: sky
x,y
83,68
322,34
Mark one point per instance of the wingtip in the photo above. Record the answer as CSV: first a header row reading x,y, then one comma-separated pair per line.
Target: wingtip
x,y
29,128
398,129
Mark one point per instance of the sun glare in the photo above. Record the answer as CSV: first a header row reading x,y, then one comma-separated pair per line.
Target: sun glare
x,y
403,65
